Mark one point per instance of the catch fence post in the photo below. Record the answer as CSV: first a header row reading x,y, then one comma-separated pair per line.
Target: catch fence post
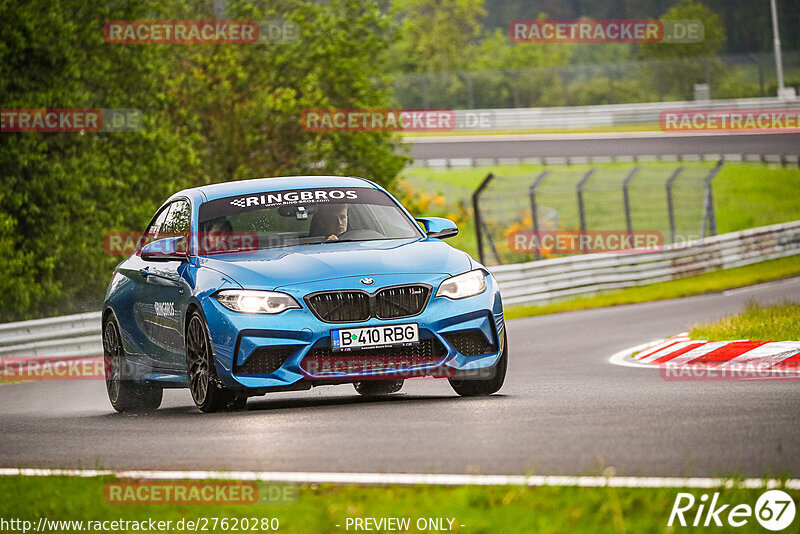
x,y
581,209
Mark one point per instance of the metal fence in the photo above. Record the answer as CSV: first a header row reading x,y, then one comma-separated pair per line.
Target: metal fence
x,y
55,338
544,281
602,116
674,201
784,160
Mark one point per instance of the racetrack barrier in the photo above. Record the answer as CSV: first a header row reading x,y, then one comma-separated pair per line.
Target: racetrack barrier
x,y
542,281
784,160
54,338
535,282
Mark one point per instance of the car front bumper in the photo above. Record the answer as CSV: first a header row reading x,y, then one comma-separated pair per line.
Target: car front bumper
x,y
301,341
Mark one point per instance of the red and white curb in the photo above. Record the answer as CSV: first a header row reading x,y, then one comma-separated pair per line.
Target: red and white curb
x,y
779,357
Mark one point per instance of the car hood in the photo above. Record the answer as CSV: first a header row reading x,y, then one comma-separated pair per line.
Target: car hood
x,y
273,268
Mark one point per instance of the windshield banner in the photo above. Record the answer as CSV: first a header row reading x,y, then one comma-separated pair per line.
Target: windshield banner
x,y
293,197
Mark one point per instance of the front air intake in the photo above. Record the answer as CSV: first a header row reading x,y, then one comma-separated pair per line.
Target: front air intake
x,y
264,361
470,342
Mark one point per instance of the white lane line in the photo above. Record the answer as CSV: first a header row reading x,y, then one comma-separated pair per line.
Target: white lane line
x,y
666,350
655,348
419,478
624,357
758,287
662,344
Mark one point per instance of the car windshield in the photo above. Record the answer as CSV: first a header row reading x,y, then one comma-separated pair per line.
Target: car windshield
x,y
300,217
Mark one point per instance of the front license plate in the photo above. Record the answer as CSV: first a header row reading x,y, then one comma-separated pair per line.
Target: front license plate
x,y
374,336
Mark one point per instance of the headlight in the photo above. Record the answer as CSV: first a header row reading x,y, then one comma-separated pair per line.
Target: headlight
x,y
464,285
248,301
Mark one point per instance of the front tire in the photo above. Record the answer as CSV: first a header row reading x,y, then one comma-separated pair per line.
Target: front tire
x,y
207,392
125,394
372,388
481,388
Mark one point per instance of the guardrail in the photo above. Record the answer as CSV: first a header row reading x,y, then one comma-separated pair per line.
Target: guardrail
x,y
75,336
447,163
538,282
606,115
54,338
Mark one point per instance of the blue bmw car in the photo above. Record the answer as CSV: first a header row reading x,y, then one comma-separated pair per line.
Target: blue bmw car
x,y
282,284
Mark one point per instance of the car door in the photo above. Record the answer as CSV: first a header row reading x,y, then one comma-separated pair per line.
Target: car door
x,y
163,292
132,318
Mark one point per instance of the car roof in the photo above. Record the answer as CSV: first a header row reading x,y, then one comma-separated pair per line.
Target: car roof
x,y
260,185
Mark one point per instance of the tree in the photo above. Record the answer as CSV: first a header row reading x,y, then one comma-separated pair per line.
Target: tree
x,y
61,192
435,34
521,74
211,113
245,102
713,33
681,65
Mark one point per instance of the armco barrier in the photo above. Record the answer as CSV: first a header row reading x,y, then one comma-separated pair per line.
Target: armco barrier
x,y
543,281
610,114
534,282
55,338
785,160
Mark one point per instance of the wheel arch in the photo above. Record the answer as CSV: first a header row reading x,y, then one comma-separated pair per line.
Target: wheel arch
x,y
196,306
193,306
108,311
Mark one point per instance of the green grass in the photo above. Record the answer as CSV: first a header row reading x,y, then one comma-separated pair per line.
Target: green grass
x,y
779,322
746,195
471,177
603,198
505,509
749,195
684,287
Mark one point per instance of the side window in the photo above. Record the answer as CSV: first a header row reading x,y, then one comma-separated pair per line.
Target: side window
x,y
177,223
172,221
178,220
151,234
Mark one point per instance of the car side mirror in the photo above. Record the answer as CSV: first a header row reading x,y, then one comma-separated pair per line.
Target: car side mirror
x,y
168,248
438,227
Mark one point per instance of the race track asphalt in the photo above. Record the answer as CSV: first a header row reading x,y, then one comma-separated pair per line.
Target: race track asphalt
x,y
585,145
563,410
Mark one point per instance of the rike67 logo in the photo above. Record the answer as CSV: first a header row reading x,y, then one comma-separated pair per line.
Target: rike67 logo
x,y
774,510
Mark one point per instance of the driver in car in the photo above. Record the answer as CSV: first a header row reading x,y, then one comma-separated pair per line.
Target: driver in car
x,y
218,236
330,221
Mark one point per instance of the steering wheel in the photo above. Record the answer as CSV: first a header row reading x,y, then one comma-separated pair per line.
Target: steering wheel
x,y
361,234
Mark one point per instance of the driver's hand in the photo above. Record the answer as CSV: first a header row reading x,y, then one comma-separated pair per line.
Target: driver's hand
x,y
333,237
